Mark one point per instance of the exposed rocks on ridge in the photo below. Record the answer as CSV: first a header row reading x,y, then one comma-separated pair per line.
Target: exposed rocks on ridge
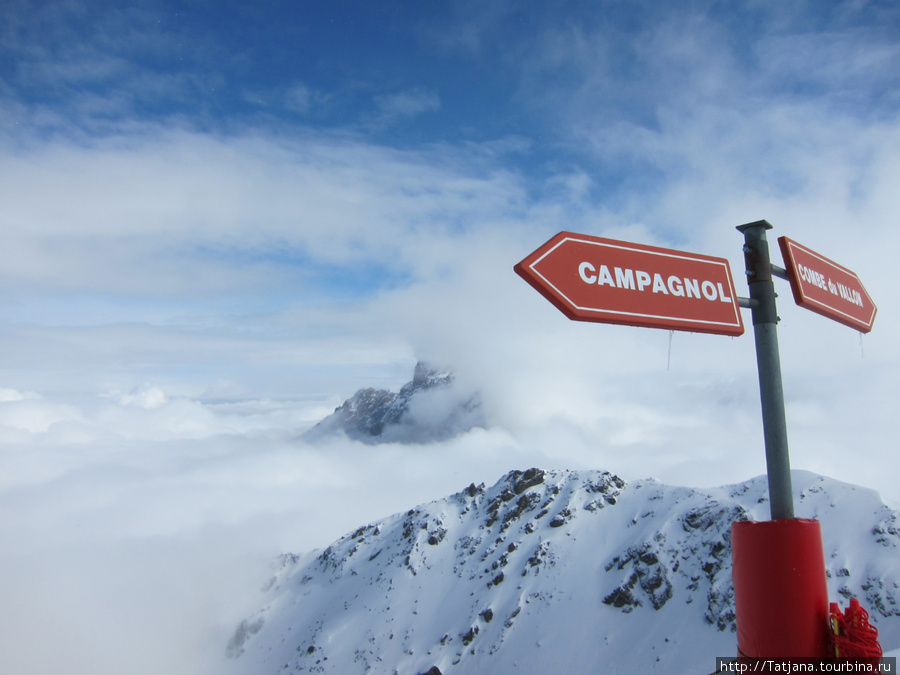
x,y
546,567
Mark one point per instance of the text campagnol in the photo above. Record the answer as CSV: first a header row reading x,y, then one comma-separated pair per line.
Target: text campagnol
x,y
639,280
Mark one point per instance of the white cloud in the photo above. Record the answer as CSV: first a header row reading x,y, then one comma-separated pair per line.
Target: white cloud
x,y
7,395
108,537
145,396
406,104
185,213
305,100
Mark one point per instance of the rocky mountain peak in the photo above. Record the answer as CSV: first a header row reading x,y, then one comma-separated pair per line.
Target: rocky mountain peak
x,y
427,409
426,376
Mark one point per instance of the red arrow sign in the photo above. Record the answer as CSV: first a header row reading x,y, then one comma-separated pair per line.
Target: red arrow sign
x,y
608,281
827,288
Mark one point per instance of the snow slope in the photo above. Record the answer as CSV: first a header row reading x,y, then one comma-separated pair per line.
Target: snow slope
x,y
553,571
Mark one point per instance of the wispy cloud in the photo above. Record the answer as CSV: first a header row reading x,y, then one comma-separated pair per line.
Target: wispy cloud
x,y
304,100
404,105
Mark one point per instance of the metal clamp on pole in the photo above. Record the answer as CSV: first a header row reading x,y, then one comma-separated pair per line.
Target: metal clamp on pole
x,y
765,318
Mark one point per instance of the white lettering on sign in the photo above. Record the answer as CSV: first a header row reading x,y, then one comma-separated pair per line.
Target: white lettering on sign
x,y
850,294
624,279
583,271
643,279
818,279
693,288
676,286
639,280
813,277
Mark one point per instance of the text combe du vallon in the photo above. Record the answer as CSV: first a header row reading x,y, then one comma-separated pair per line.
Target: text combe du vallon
x,y
638,280
835,288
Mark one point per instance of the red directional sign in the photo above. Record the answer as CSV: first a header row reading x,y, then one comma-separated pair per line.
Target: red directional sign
x,y
608,281
823,286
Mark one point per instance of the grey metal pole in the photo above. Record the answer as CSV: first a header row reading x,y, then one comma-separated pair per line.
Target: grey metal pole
x,y
771,393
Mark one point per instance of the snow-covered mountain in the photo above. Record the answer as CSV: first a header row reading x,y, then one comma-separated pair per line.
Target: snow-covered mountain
x,y
427,409
553,571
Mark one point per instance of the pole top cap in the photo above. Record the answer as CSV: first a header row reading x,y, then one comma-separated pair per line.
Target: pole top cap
x,y
757,223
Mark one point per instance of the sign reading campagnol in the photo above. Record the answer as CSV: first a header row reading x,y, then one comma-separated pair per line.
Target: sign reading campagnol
x,y
607,281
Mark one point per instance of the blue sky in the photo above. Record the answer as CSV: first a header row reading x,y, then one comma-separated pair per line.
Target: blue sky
x,y
220,219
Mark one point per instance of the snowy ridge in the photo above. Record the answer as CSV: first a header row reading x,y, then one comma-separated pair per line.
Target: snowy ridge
x,y
553,571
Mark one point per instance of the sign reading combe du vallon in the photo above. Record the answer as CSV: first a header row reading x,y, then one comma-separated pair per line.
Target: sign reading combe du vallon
x,y
607,281
829,289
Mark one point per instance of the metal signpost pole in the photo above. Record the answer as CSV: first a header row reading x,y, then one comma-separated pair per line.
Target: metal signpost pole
x,y
765,319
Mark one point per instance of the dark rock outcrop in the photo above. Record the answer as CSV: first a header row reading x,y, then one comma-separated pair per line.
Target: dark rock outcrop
x,y
427,409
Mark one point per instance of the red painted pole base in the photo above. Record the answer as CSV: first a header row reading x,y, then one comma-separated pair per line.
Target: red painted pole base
x,y
780,594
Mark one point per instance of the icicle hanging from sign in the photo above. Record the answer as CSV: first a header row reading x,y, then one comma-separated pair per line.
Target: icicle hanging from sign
x,y
669,357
